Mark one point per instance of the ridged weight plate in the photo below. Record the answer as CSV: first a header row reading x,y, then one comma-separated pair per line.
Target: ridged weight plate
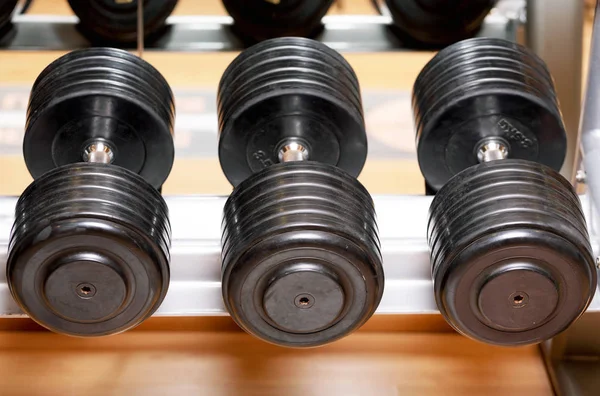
x,y
261,20
481,89
101,94
110,22
301,255
511,258
438,23
289,89
89,250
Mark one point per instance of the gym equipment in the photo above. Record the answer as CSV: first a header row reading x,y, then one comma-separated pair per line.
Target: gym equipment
x,y
301,255
438,23
89,249
7,8
511,258
115,22
260,20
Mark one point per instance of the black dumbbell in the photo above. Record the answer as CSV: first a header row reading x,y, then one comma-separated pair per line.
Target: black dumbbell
x,y
438,23
510,252
259,20
301,255
7,8
89,249
106,22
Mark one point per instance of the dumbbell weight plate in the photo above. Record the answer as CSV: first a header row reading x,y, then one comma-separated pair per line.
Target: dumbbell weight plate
x,y
301,258
258,20
477,48
113,22
481,89
89,250
107,95
7,8
511,258
438,22
289,89
444,152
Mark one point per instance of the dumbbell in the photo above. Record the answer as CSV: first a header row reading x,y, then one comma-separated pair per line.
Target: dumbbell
x,y
7,8
438,23
89,248
259,20
116,21
301,260
510,253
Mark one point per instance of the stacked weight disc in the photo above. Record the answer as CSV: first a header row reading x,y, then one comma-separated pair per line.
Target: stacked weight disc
x,y
115,22
510,252
261,20
138,116
438,22
303,236
84,279
481,88
89,250
6,10
289,88
301,258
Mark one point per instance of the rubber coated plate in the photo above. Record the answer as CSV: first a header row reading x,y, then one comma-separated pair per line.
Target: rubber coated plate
x,y
101,95
479,90
511,256
289,90
301,256
439,22
110,21
6,10
89,250
262,19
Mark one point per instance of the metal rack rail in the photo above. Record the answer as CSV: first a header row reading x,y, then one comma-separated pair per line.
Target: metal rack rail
x,y
573,358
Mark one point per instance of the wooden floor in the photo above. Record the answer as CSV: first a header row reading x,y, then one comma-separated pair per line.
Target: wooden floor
x,y
201,360
177,363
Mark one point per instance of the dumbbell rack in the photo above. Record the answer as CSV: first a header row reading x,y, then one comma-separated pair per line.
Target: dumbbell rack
x,y
551,27
524,21
213,33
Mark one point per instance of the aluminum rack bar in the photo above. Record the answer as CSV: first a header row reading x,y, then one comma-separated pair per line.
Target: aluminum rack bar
x,y
573,357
